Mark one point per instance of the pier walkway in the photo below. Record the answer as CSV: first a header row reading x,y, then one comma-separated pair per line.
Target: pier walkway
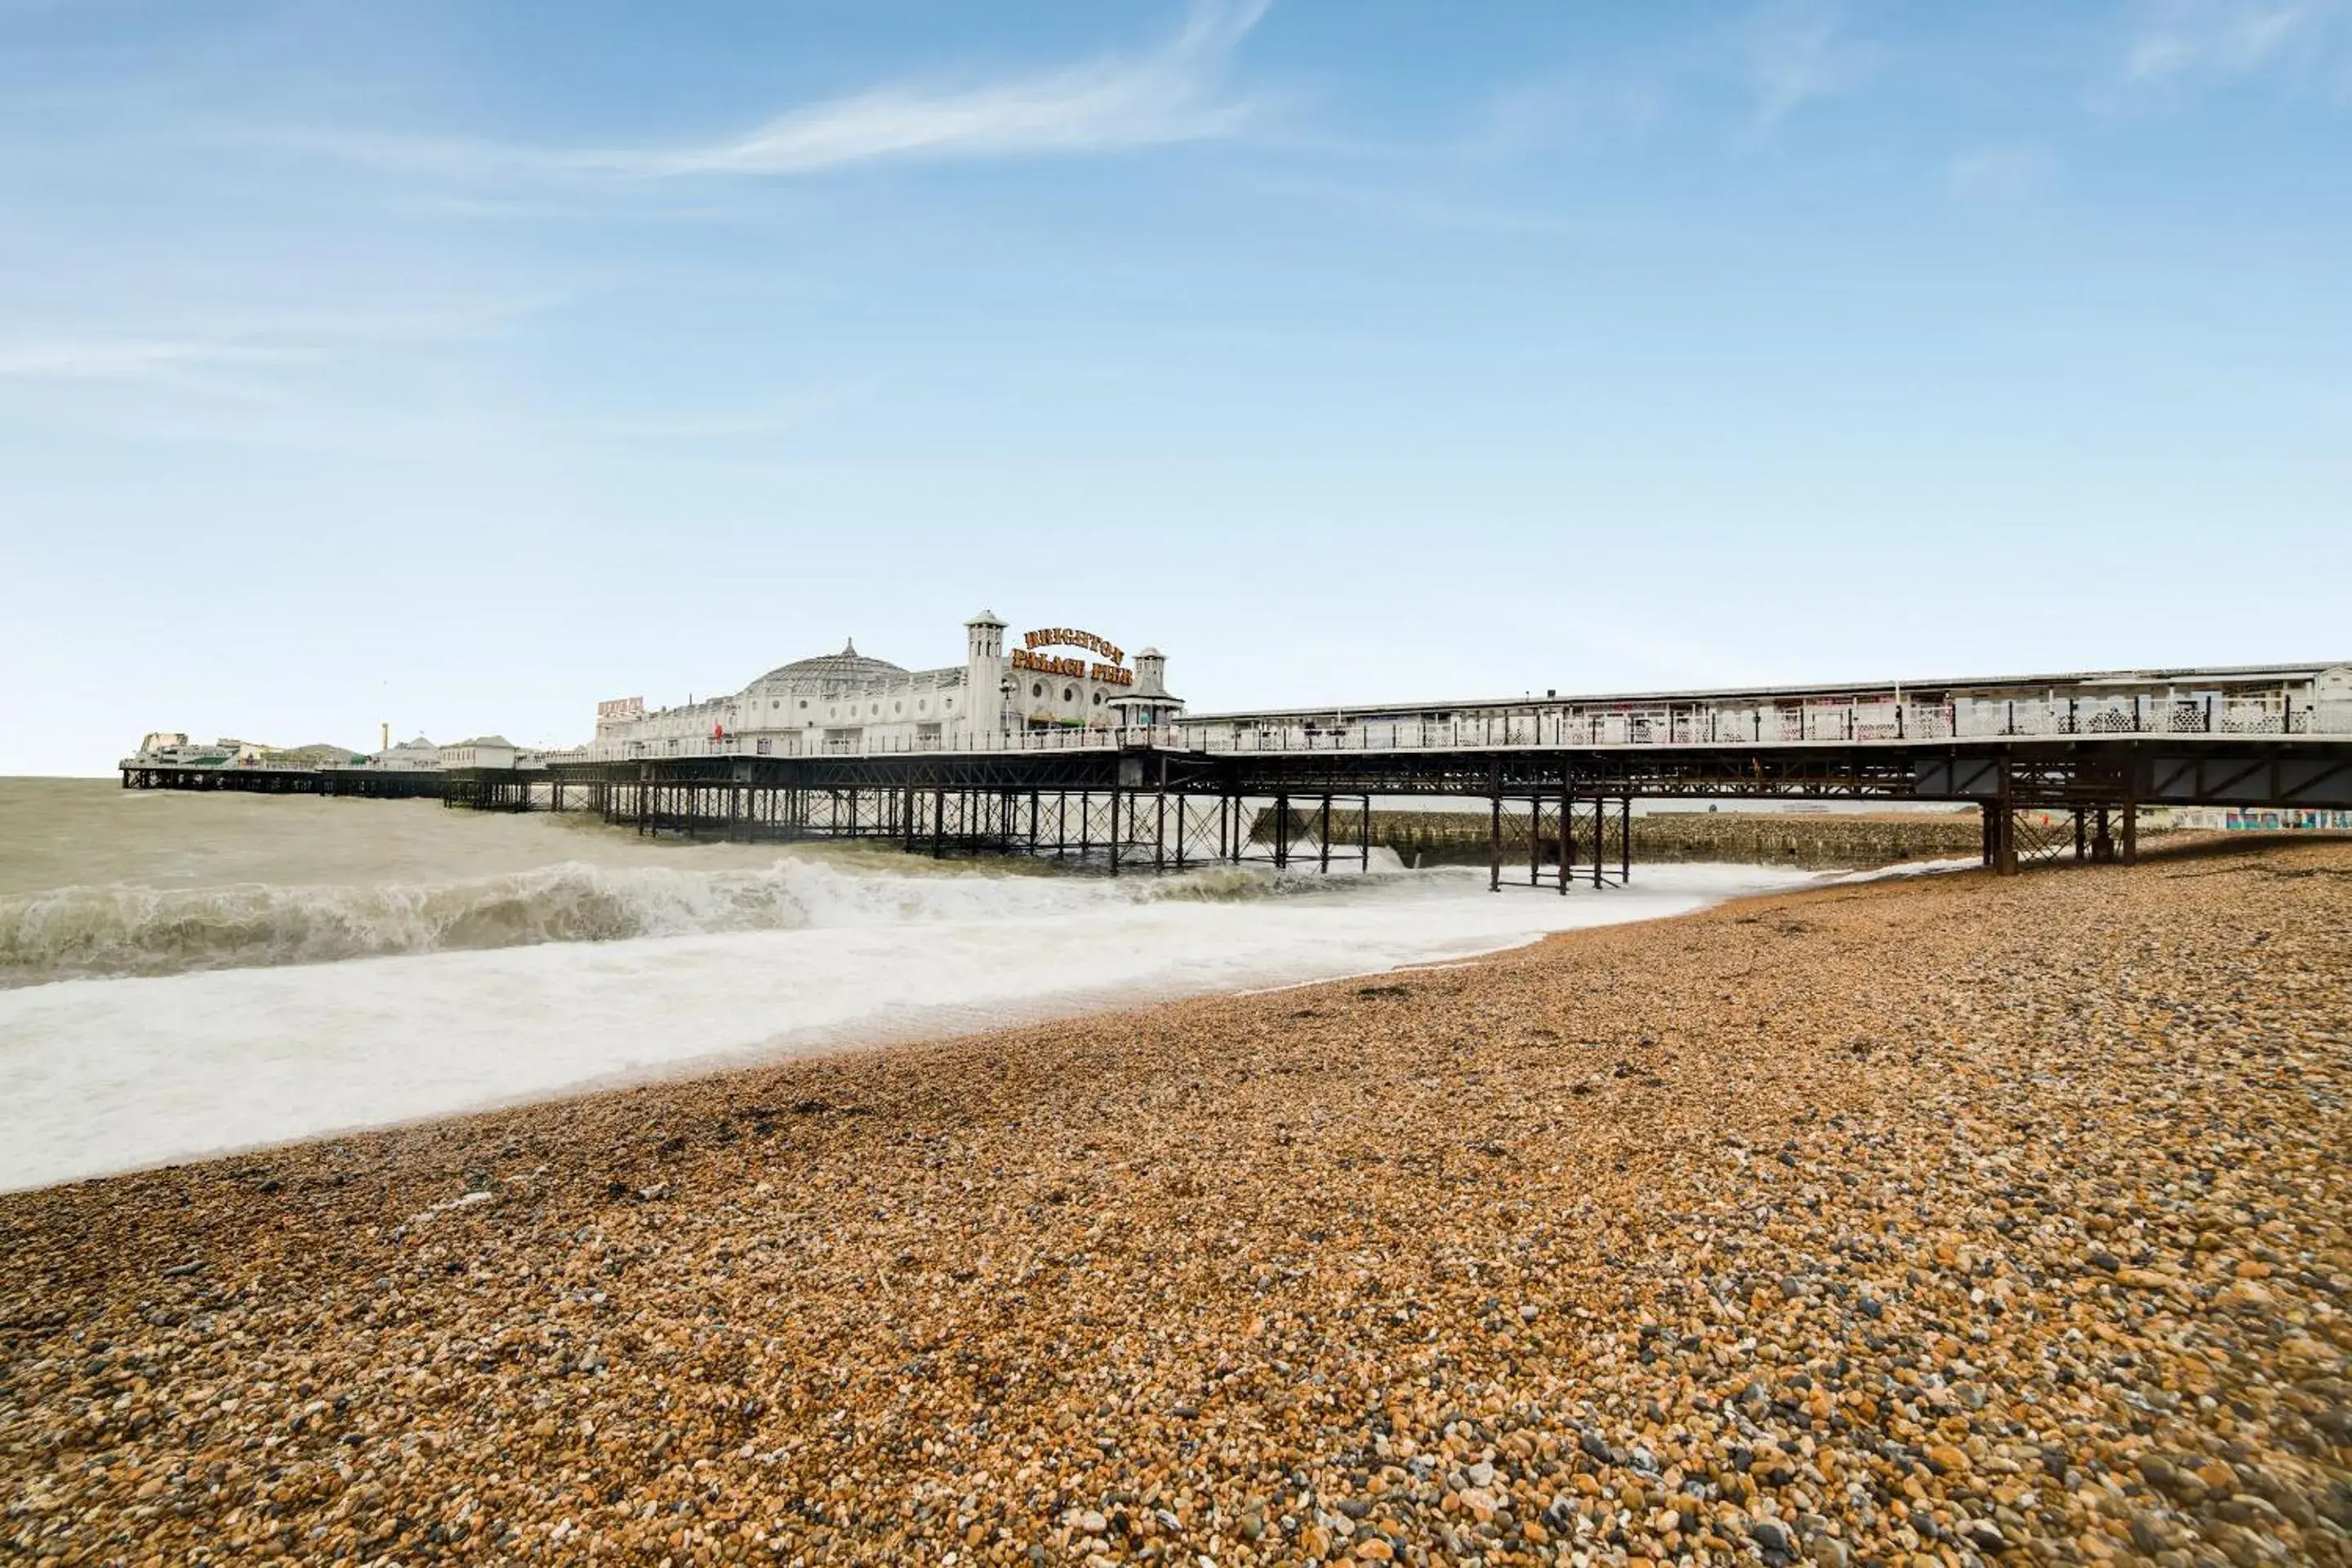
x,y
2056,765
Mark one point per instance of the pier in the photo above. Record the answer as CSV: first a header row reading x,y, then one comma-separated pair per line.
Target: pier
x,y
358,784
2057,766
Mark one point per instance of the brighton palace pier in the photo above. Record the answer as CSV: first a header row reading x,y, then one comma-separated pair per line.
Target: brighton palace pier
x,y
1057,743
849,704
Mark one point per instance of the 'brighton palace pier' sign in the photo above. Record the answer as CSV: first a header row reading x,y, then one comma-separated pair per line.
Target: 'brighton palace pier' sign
x,y
1114,673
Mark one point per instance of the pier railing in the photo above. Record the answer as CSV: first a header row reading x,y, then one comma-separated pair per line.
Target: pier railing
x,y
2252,703
1164,737
1863,721
1838,723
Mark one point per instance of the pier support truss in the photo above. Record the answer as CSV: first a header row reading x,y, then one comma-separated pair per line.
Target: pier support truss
x,y
2038,814
1578,840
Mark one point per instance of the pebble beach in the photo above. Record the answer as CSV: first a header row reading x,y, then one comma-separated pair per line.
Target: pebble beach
x,y
1928,1221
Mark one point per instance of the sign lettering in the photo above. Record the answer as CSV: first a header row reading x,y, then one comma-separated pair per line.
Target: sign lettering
x,y
1076,669
1067,636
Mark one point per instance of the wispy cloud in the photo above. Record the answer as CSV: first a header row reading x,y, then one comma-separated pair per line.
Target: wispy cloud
x,y
2180,43
1798,51
755,422
1567,113
1422,202
179,352
2224,38
124,357
1176,92
2004,173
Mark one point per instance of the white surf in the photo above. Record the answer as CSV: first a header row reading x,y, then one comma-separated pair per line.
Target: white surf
x,y
101,1074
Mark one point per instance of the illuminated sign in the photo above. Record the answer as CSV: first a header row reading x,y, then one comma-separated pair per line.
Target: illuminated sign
x,y
622,707
1026,657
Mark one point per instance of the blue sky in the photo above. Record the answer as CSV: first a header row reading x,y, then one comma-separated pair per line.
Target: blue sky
x,y
459,364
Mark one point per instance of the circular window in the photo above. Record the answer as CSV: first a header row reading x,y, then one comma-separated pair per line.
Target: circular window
x,y
1036,688
803,701
1097,699
1069,695
878,708
897,708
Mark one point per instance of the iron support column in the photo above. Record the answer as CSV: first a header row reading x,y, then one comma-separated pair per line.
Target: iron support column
x,y
1495,830
1567,833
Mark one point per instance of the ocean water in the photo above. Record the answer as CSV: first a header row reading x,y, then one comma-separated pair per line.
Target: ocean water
x,y
185,975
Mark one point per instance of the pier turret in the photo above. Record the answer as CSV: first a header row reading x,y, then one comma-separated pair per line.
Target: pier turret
x,y
1149,703
984,674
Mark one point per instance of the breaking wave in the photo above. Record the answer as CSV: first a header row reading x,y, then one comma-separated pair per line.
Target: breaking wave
x,y
123,930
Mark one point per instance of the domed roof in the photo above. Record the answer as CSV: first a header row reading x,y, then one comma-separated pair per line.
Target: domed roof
x,y
848,665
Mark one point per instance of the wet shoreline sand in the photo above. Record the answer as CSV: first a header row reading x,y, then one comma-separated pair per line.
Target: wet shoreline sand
x,y
1927,1220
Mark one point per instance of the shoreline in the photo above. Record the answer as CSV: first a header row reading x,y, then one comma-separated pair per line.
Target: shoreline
x,y
1755,1229
1080,1006
285,1054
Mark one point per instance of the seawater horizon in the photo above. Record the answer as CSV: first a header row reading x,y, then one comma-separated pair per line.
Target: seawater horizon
x,y
190,976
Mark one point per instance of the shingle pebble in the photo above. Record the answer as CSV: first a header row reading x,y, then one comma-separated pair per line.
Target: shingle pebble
x,y
1927,1223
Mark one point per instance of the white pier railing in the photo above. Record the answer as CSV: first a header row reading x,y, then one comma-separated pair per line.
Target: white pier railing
x,y
2271,700
1892,721
1865,720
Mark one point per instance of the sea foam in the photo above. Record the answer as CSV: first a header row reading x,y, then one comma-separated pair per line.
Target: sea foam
x,y
129,929
99,1075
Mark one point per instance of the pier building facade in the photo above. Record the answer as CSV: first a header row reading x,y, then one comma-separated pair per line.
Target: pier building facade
x,y
1053,680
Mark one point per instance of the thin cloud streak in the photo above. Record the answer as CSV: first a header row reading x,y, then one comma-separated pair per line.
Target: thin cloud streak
x,y
1797,53
1175,94
122,353
1567,114
727,425
1413,205
126,358
2185,42
1996,174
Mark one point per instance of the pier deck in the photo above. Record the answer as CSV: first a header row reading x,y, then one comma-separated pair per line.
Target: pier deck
x,y
2055,764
